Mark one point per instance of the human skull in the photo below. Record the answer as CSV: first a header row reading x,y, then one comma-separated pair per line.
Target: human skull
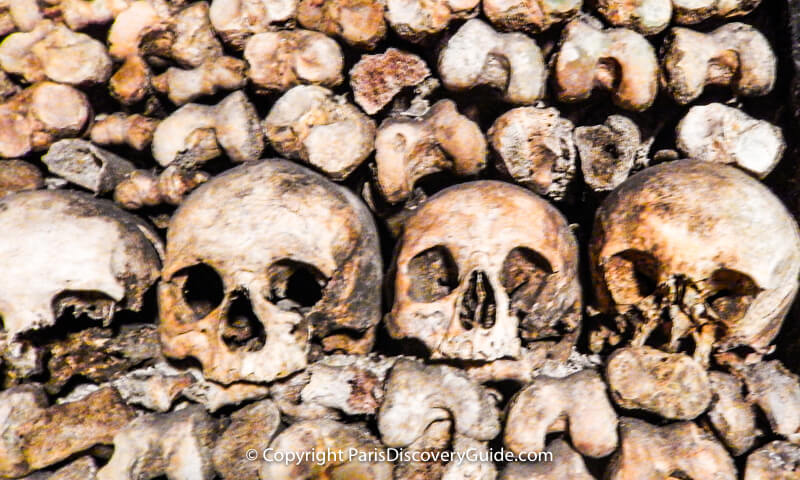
x,y
64,250
261,259
480,265
697,250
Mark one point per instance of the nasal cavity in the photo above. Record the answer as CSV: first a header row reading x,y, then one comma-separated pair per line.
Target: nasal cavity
x,y
242,330
478,307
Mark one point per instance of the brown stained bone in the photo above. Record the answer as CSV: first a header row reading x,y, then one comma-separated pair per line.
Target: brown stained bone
x,y
35,118
566,463
610,151
776,391
617,60
281,60
735,55
408,148
253,426
722,134
69,428
84,468
535,147
144,189
469,292
684,240
670,385
54,52
731,416
21,360
326,435
775,461
195,134
359,23
311,124
417,20
7,87
377,79
176,444
84,164
130,84
252,324
135,130
214,75
236,20
19,176
578,402
534,16
510,63
20,405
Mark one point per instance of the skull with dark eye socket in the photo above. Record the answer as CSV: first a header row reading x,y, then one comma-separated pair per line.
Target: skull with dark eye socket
x,y
695,257
262,261
482,268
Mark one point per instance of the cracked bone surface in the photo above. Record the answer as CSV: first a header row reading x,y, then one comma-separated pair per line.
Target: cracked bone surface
x,y
534,16
774,461
566,463
617,60
648,451
177,445
82,163
671,385
578,403
327,435
237,20
483,267
359,23
377,79
735,55
236,250
284,59
686,239
609,152
722,134
99,258
311,124
510,63
776,391
38,116
416,20
408,148
536,148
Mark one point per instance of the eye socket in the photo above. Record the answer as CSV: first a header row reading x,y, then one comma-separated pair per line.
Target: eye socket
x,y
524,271
631,275
295,286
202,288
733,293
433,274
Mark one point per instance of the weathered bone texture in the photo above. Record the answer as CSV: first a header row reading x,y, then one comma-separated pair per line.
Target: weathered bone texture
x,y
731,416
311,124
214,396
183,86
774,461
98,260
281,60
19,176
54,52
686,238
650,17
566,463
7,87
195,134
359,23
548,358
671,385
609,152
79,14
84,164
376,79
154,388
776,391
618,60
480,265
286,392
416,20
734,54
722,134
84,468
20,15
21,360
322,435
236,20
61,431
578,402
253,426
35,118
177,445
536,149
534,16
144,189
408,148
131,83
135,131
241,239
511,63
648,451
18,405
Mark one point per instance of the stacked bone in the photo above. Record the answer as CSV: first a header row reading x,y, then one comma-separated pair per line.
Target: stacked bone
x,y
359,225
